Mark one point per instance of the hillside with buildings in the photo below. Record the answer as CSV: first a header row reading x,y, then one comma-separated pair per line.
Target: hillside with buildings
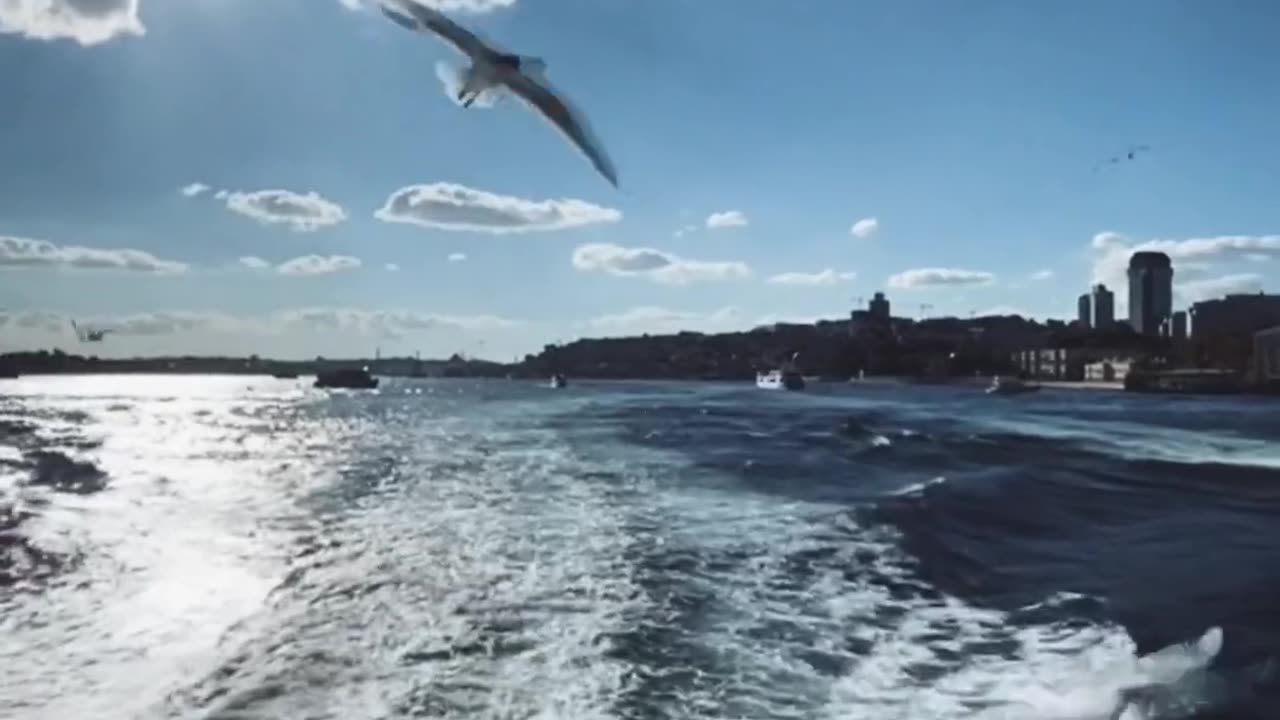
x,y
1227,342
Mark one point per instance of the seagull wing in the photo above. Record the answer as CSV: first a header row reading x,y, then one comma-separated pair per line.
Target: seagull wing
x,y
571,123
420,18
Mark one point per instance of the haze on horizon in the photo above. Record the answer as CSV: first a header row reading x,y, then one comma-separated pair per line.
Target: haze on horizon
x,y
203,177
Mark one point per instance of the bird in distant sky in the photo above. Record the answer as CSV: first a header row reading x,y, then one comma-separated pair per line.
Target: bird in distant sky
x,y
493,69
1130,154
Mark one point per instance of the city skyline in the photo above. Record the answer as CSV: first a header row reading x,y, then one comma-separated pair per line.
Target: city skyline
x,y
161,181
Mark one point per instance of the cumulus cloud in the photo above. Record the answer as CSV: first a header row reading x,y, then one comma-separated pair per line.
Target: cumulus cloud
x,y
920,278
38,320
302,213
1001,310
374,323
317,265
87,22
449,206
686,230
822,278
727,219
392,267
194,189
457,257
659,320
254,263
389,323
1210,288
1111,253
24,252
656,265
1042,275
865,228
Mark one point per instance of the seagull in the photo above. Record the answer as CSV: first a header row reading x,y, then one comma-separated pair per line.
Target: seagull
x,y
86,335
492,68
1130,154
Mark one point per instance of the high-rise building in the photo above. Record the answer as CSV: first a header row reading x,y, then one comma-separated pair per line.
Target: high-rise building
x,y
1104,307
1150,291
879,307
1179,330
1084,314
1236,314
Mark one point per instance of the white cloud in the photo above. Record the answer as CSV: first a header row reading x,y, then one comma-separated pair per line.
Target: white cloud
x,y
87,22
1257,257
449,206
194,188
939,277
776,319
1112,250
865,228
392,323
1209,288
727,219
1003,310
384,323
1042,275
254,263
302,213
656,265
826,277
24,252
686,230
659,320
317,265
457,257
392,267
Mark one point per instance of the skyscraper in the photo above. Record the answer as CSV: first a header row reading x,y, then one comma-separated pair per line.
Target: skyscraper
x,y
1150,291
1084,314
879,307
1104,307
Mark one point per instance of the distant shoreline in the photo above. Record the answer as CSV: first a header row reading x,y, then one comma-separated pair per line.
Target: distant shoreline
x,y
1083,384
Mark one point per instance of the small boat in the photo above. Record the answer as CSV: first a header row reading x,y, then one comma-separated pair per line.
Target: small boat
x,y
558,381
354,378
1009,385
780,380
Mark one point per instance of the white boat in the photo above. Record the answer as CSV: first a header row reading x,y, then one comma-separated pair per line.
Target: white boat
x,y
558,381
780,380
1009,385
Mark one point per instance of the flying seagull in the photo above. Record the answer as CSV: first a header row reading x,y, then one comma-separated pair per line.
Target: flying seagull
x,y
1130,154
87,335
492,68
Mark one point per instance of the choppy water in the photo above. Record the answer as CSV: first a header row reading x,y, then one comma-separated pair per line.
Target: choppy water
x,y
251,548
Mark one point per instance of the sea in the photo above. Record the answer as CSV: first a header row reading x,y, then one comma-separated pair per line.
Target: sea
x,y
243,548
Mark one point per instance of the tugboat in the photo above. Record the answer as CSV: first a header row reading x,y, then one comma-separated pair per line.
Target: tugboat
x,y
558,381
780,380
783,378
353,378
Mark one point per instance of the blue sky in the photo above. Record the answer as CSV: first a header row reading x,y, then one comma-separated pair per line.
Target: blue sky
x,y
345,203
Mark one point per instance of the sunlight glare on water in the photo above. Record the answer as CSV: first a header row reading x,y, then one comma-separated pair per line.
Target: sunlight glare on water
x,y
226,547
